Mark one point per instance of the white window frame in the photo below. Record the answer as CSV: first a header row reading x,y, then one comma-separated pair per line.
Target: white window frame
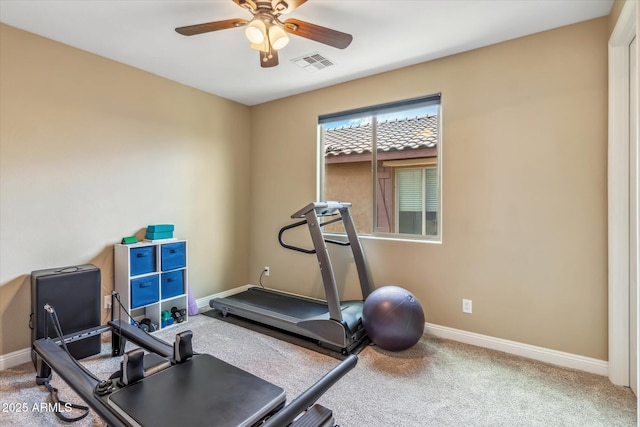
x,y
435,99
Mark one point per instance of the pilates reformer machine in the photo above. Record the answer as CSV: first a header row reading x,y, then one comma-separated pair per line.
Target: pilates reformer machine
x,y
163,384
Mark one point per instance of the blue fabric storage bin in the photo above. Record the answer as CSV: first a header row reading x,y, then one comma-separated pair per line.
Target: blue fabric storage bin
x,y
173,255
172,284
143,260
145,290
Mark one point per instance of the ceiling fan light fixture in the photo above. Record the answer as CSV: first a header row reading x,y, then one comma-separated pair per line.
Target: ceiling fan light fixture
x,y
263,47
256,31
278,37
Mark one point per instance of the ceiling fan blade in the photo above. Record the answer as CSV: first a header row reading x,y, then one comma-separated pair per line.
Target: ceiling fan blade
x,y
192,30
286,6
316,32
266,62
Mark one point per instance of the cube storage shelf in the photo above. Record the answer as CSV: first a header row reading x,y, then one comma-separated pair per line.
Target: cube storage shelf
x,y
151,277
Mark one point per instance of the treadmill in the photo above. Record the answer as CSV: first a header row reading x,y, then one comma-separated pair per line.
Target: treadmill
x,y
332,323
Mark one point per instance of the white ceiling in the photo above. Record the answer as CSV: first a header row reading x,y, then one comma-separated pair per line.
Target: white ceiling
x,y
386,35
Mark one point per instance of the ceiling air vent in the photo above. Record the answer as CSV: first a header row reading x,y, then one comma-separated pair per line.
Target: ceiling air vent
x,y
313,62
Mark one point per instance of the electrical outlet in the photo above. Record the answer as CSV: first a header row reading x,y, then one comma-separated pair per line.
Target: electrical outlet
x,y
107,302
467,306
267,270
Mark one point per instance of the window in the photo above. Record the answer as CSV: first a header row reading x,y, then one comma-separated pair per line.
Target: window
x,y
384,160
417,205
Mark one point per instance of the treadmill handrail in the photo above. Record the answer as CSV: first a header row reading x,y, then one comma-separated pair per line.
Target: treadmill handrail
x,y
303,250
334,242
288,246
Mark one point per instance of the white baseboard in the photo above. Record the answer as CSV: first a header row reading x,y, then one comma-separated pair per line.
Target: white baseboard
x,y
560,358
15,358
568,360
203,303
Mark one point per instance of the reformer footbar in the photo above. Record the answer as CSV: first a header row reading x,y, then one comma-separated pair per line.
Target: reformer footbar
x,y
137,394
332,323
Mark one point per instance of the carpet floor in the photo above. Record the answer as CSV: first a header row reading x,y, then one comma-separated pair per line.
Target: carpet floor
x,y
435,383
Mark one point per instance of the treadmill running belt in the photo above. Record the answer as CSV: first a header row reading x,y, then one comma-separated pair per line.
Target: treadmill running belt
x,y
293,306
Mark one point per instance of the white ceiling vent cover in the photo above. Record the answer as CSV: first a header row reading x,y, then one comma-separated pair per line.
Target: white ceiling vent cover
x,y
313,62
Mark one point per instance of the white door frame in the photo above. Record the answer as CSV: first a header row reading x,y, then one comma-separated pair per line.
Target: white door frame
x,y
618,193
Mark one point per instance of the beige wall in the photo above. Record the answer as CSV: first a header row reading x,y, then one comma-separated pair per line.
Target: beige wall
x,y
92,150
524,131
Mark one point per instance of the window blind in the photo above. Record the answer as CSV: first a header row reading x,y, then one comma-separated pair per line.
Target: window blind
x,y
431,186
410,190
413,195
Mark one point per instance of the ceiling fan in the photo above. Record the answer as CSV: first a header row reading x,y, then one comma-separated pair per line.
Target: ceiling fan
x,y
267,33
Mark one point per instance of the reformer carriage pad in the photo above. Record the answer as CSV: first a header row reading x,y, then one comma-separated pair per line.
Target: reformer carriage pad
x,y
226,396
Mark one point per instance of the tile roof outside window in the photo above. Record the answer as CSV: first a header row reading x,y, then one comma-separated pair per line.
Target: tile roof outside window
x,y
410,133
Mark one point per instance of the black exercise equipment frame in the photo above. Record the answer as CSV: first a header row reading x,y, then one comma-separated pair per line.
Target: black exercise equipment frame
x,y
332,323
51,355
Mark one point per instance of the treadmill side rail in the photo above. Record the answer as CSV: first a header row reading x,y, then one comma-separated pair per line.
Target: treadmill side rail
x,y
328,278
366,284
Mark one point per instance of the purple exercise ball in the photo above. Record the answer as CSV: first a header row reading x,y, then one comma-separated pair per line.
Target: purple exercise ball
x,y
393,318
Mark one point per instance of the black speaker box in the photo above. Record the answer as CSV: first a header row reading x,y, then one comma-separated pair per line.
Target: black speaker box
x,y
74,293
